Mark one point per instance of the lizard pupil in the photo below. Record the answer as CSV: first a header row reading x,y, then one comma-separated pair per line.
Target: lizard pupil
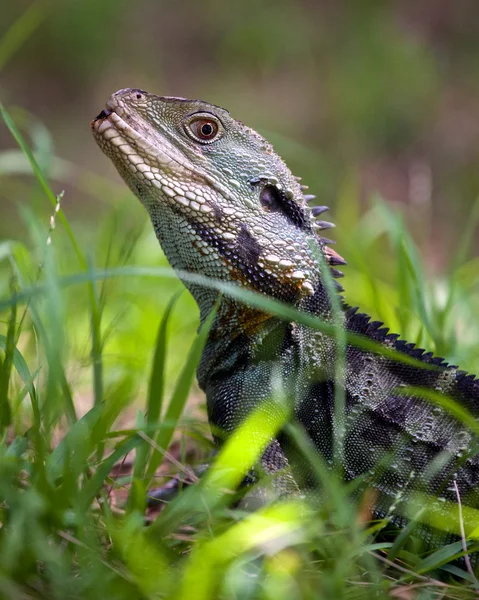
x,y
206,129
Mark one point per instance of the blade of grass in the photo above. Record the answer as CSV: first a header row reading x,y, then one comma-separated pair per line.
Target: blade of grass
x,y
137,494
180,393
6,368
339,351
153,407
20,365
410,275
94,485
96,348
459,258
274,307
439,557
239,453
58,397
42,181
467,239
156,385
56,459
94,306
278,526
96,343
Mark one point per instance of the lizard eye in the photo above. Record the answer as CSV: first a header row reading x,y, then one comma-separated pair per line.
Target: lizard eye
x,y
203,128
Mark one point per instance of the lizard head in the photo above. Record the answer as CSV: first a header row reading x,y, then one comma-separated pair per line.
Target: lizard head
x,y
222,202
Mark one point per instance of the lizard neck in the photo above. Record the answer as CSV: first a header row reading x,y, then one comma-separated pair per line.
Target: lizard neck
x,y
236,329
239,331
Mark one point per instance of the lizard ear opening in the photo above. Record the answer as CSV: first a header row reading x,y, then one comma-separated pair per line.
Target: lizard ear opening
x,y
273,199
270,198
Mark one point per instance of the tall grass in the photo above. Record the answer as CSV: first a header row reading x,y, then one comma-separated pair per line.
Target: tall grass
x,y
86,325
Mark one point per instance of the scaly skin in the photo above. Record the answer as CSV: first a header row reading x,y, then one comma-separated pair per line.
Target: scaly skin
x,y
224,205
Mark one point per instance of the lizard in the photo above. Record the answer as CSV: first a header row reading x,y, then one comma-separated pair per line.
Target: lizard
x,y
224,205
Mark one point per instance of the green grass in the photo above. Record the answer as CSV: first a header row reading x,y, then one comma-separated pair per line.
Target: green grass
x,y
95,375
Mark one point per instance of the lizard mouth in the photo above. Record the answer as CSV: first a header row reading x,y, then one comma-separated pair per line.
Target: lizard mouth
x,y
110,126
112,107
105,113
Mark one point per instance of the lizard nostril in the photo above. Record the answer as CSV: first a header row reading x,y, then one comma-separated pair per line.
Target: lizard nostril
x,y
131,93
138,94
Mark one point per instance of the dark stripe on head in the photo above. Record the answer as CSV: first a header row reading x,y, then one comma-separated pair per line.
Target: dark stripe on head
x,y
247,247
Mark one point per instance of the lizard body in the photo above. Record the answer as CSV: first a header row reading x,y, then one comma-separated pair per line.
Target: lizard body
x,y
224,205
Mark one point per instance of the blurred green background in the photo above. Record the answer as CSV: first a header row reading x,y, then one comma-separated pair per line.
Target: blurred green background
x,y
360,98
388,91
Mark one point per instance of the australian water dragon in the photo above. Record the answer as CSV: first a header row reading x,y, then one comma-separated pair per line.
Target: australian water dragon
x,y
224,205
